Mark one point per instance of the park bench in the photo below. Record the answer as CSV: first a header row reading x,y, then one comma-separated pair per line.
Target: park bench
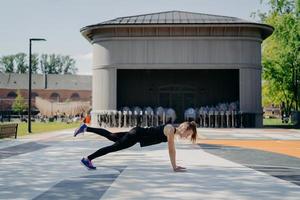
x,y
8,130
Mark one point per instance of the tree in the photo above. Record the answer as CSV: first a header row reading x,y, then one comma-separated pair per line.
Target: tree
x,y
44,64
51,64
281,6
57,64
7,63
281,60
69,65
19,105
47,63
34,63
20,61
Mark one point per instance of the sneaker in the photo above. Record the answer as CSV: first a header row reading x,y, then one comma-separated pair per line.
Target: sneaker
x,y
88,164
80,130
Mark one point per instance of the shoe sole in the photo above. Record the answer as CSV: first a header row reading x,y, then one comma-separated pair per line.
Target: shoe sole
x,y
76,134
87,166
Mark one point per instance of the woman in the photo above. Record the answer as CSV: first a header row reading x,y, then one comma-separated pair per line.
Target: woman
x,y
145,136
87,118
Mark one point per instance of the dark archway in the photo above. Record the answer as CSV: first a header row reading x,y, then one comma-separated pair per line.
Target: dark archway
x,y
11,95
55,97
34,94
75,97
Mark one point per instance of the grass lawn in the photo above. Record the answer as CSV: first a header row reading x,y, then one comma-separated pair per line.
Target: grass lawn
x,y
38,127
275,122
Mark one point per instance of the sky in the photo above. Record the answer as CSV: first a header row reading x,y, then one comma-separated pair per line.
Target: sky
x,y
59,21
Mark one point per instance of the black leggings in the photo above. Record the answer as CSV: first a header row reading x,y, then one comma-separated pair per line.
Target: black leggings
x,y
122,140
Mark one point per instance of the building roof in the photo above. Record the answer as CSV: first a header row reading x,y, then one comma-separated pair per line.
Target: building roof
x,y
173,17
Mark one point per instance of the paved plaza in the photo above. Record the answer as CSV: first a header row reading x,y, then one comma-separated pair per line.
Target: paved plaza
x,y
225,164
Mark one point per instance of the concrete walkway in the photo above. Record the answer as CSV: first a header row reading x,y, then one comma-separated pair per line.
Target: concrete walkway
x,y
47,166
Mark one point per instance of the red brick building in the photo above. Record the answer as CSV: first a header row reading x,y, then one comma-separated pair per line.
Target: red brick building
x,y
53,87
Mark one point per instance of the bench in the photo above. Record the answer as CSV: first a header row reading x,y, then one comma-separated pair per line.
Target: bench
x,y
8,130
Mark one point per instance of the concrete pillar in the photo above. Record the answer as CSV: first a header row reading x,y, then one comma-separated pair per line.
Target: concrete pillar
x,y
104,88
250,95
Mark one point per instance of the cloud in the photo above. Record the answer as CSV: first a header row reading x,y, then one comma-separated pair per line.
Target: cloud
x,y
84,63
87,56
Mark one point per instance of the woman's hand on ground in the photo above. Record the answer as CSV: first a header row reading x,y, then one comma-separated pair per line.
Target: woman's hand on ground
x,y
179,169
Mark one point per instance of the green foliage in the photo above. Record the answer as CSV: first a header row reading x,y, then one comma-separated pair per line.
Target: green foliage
x,y
275,122
281,6
20,61
35,63
19,104
57,64
7,64
69,64
50,64
270,94
281,60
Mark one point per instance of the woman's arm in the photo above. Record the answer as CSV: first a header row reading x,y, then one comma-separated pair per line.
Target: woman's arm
x,y
172,151
169,132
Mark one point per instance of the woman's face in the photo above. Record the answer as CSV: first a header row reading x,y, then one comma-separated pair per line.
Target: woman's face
x,y
184,133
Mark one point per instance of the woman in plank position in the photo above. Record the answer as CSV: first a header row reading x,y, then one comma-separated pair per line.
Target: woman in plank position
x,y
145,136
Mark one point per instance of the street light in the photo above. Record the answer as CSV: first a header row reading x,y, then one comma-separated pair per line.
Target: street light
x,y
29,88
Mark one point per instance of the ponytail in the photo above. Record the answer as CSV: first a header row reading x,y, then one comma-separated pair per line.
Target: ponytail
x,y
192,126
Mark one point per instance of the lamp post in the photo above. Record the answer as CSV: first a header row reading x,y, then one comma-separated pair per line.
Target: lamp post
x,y
29,87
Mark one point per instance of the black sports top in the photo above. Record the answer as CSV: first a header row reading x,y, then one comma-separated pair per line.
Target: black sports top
x,y
152,135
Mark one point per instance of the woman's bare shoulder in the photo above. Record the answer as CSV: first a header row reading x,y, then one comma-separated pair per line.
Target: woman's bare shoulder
x,y
168,129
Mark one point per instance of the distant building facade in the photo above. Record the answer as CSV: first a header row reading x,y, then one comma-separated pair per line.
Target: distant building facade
x,y
177,59
52,87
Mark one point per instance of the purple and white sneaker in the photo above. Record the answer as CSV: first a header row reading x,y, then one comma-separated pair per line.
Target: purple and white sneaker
x,y
80,130
88,164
